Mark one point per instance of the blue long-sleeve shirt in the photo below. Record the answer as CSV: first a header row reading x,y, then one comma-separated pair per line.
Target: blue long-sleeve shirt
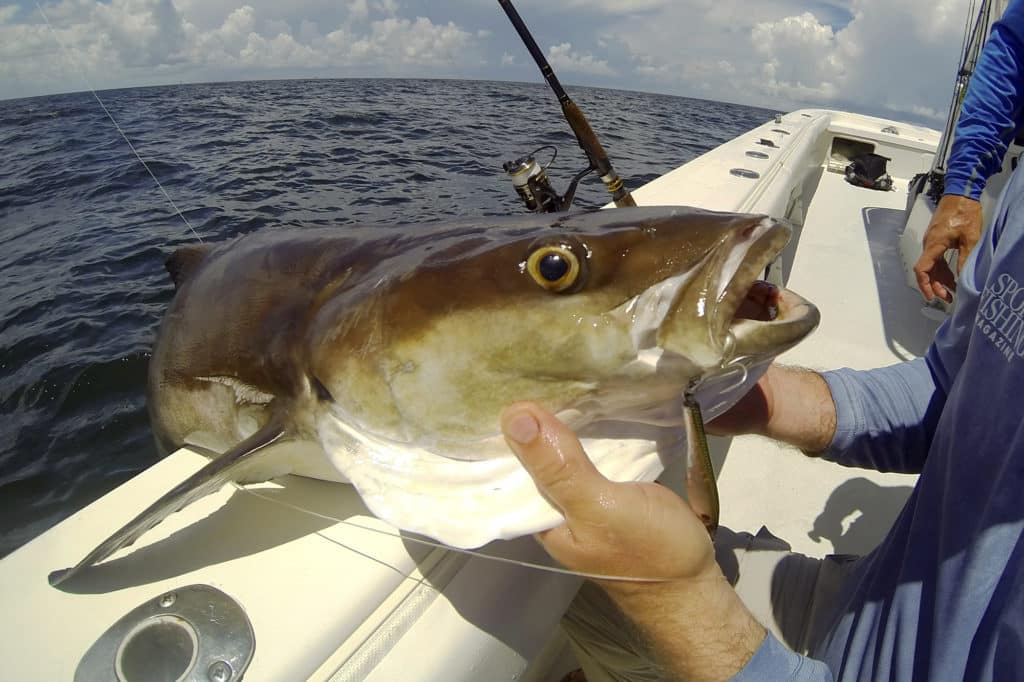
x,y
942,597
992,108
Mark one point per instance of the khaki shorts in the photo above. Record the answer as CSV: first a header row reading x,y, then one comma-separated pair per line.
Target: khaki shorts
x,y
791,594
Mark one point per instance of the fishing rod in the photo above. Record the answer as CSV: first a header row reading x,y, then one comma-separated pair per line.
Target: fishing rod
x,y
528,177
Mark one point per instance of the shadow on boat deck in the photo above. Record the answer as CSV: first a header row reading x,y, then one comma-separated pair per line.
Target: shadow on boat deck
x,y
858,514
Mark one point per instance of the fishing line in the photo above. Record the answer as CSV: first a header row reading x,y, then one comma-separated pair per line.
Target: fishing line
x,y
88,84
438,545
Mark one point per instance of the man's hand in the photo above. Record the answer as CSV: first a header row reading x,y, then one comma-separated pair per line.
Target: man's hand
x,y
687,613
640,530
955,225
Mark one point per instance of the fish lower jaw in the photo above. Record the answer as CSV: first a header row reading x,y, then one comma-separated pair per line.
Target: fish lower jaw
x,y
794,319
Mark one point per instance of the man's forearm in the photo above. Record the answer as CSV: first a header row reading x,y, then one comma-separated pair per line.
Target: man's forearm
x,y
694,629
802,412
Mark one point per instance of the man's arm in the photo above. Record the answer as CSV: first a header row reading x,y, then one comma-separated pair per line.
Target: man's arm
x,y
880,418
670,587
992,108
788,404
989,118
887,416
877,419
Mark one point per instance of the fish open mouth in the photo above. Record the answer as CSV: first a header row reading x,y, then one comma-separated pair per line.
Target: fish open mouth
x,y
759,317
745,315
761,303
724,309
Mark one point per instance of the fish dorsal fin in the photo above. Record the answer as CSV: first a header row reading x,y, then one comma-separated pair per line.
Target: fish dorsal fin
x,y
238,463
183,262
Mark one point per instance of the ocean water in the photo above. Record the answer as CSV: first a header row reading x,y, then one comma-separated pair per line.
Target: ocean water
x,y
84,230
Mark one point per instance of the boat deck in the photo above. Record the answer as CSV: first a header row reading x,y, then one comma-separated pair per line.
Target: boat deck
x,y
847,262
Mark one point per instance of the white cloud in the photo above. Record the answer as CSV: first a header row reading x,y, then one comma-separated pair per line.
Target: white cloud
x,y
803,61
279,52
564,58
143,32
106,44
359,9
871,54
868,55
223,45
882,56
401,41
617,7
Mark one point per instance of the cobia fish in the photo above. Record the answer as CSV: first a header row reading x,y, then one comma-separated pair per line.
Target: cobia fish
x,y
383,356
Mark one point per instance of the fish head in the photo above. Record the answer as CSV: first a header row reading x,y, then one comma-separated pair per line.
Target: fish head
x,y
601,316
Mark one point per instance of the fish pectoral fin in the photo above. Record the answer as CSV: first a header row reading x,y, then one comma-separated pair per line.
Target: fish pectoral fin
x,y
238,463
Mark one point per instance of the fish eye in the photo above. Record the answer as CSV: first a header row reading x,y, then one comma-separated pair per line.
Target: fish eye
x,y
555,267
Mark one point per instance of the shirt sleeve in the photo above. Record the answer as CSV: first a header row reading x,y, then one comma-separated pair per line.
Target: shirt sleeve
x,y
773,661
884,417
992,107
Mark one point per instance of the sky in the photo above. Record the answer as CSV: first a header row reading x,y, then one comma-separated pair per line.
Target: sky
x,y
892,58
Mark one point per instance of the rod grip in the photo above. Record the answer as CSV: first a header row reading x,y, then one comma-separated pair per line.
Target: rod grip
x,y
597,155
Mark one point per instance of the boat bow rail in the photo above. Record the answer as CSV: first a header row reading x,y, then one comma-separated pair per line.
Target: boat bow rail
x,y
776,165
